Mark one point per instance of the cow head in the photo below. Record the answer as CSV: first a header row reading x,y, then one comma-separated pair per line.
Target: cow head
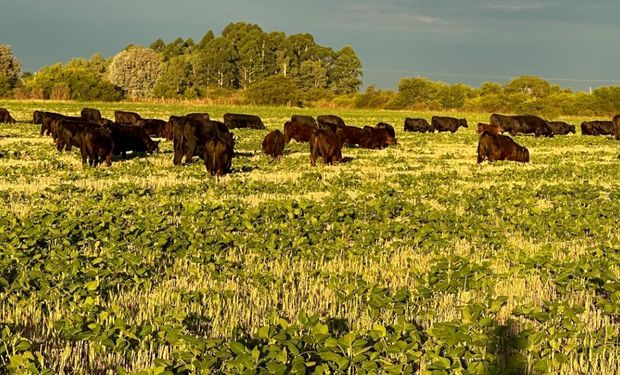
x,y
463,123
571,129
523,155
152,146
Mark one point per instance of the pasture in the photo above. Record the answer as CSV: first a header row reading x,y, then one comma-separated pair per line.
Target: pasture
x,y
411,259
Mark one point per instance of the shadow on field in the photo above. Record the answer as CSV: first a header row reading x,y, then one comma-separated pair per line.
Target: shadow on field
x,y
509,361
245,154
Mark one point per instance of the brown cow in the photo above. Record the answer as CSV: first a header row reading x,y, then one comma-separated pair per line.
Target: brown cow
x,y
417,125
303,119
330,122
297,131
91,115
495,129
273,144
616,122
561,127
152,127
500,147
218,153
352,135
97,145
326,144
126,118
391,133
5,117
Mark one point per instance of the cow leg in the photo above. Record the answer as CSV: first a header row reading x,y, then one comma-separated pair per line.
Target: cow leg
x,y
191,148
84,155
313,152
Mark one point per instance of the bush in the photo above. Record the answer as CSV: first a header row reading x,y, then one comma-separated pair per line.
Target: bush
x,y
275,90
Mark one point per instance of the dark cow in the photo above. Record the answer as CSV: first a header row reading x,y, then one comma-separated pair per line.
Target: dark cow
x,y
362,137
597,128
191,136
273,144
236,120
37,117
330,122
218,153
326,144
522,124
152,127
616,122
381,137
97,145
417,125
303,119
91,115
391,133
561,127
131,138
444,124
126,118
48,117
500,147
5,117
68,133
298,131
495,129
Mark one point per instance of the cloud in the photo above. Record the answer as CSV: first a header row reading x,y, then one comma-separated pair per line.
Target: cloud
x,y
388,16
515,6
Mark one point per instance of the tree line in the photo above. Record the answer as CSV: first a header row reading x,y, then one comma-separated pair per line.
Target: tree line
x,y
246,65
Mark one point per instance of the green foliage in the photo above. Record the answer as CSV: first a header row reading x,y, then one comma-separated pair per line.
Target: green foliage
x,y
135,70
275,90
10,68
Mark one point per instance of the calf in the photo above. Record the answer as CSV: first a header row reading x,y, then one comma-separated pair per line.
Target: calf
x,y
273,144
236,120
126,118
444,124
495,129
326,144
298,131
6,117
500,147
417,125
561,128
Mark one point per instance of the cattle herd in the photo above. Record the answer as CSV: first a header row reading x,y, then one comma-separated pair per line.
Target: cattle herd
x,y
196,134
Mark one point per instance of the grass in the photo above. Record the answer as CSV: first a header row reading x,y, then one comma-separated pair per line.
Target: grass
x,y
274,239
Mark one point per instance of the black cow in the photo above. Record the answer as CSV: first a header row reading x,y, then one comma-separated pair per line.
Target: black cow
x,y
417,125
48,117
152,127
522,124
126,118
273,144
354,136
597,128
131,138
6,117
218,153
500,147
236,120
91,115
190,137
200,116
68,133
298,131
391,133
303,119
444,124
330,122
561,127
326,144
97,145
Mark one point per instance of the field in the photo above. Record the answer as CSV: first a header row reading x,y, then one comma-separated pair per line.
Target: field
x,y
412,259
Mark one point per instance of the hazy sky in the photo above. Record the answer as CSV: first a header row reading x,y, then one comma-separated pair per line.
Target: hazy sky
x,y
572,42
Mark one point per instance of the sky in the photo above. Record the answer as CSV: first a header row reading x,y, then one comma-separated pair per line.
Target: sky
x,y
573,43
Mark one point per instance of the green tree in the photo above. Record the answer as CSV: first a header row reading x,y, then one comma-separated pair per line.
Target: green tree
x,y
10,68
175,78
532,86
136,71
312,74
274,90
214,65
345,72
416,91
454,96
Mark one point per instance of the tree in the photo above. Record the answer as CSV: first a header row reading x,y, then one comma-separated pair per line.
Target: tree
x,y
416,91
532,86
312,74
158,46
274,90
136,71
344,74
10,68
214,66
175,78
454,96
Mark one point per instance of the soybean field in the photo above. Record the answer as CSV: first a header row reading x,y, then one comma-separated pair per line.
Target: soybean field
x,y
410,259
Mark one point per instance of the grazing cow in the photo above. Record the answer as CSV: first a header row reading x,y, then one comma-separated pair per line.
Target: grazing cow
x,y
273,144
48,117
191,136
500,147
330,122
391,133
126,118
597,128
381,137
91,115
218,154
236,120
616,122
68,133
97,145
362,137
298,131
495,129
326,144
417,125
131,138
561,127
152,127
444,124
303,119
526,124
37,117
5,117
